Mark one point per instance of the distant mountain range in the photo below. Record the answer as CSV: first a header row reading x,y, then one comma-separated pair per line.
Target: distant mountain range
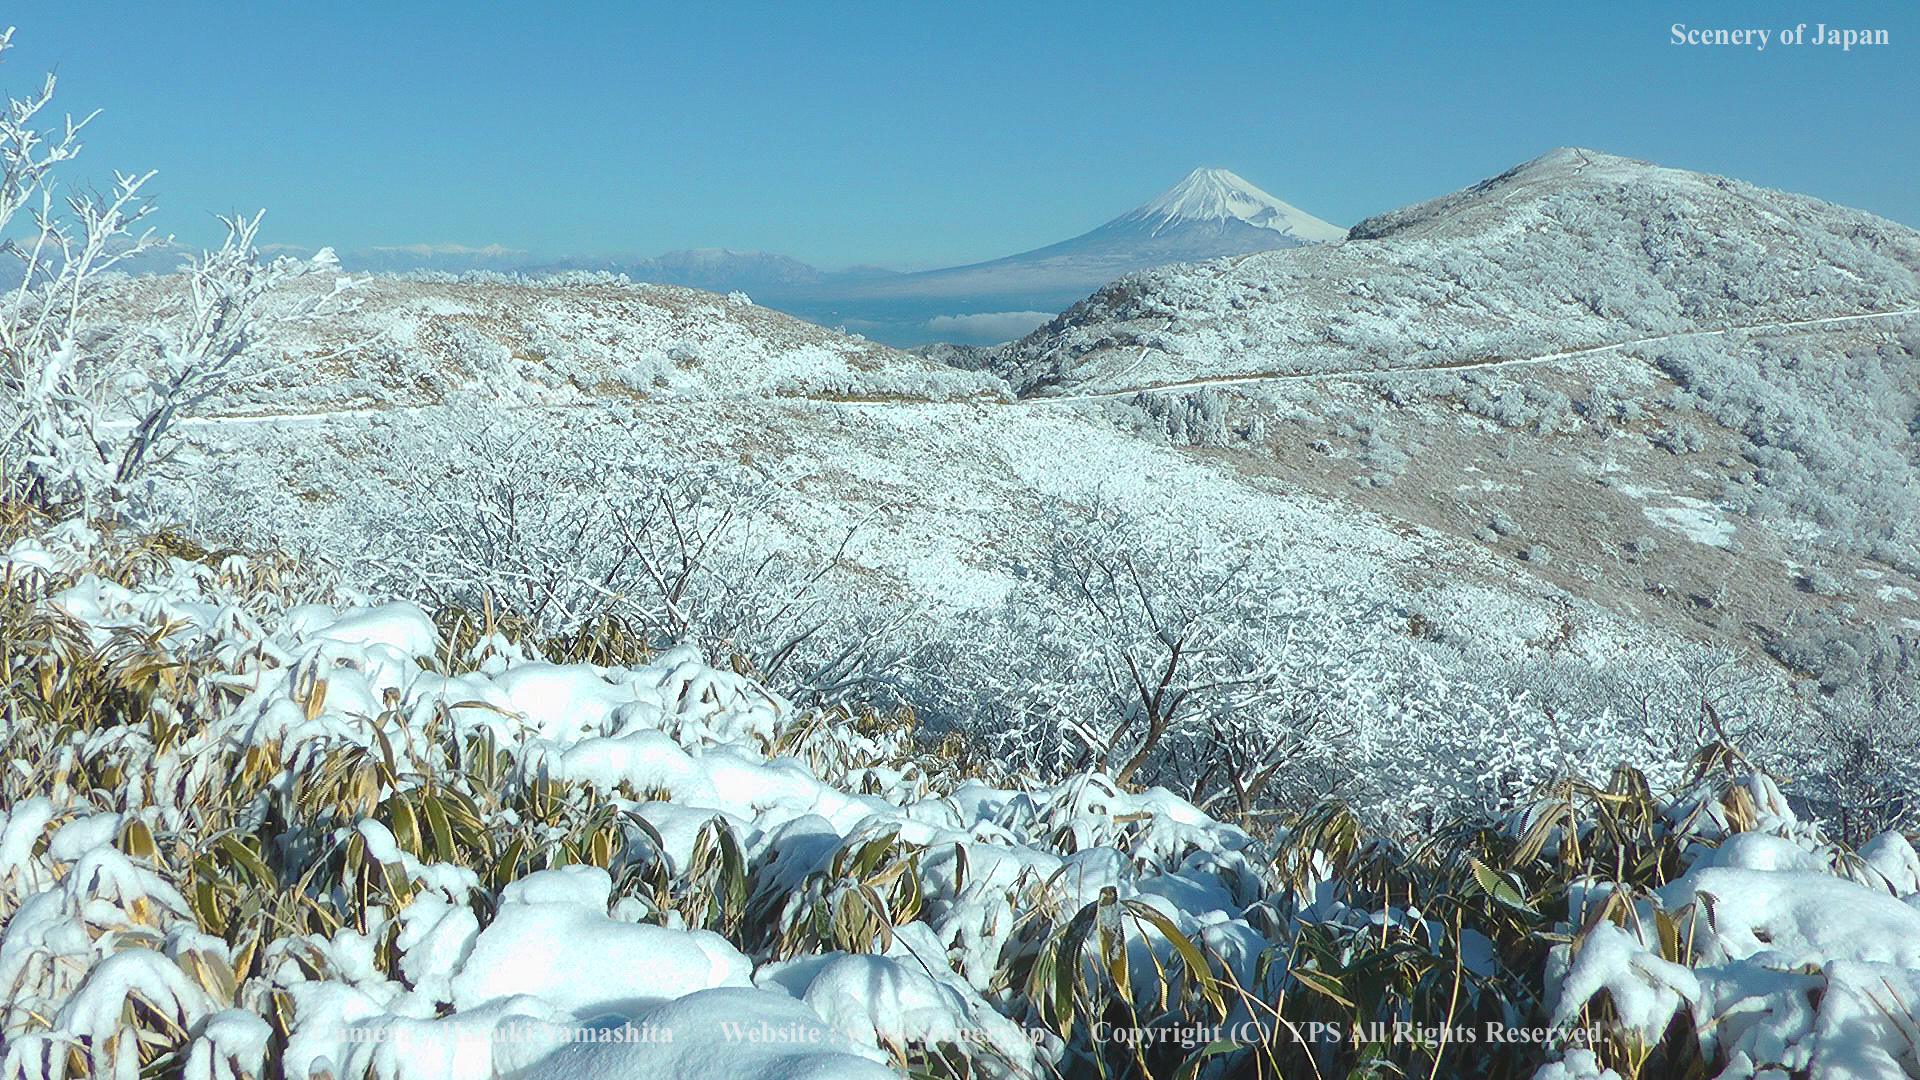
x,y
1211,213
719,270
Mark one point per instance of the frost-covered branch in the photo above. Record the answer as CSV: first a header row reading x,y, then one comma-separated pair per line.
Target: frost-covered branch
x,y
57,381
49,426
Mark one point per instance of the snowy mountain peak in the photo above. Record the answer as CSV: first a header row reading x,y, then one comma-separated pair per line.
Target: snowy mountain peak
x,y
1219,195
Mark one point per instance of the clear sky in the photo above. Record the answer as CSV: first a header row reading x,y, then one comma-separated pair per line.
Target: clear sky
x,y
916,135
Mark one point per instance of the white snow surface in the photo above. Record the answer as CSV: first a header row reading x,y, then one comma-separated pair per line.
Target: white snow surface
x,y
1696,519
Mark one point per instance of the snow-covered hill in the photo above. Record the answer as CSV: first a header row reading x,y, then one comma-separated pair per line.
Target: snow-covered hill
x,y
924,525
395,343
1383,588
1552,531
1607,493
1574,249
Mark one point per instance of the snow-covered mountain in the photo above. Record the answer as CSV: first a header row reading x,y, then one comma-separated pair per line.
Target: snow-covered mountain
x,y
1211,209
1210,214
1571,250
1688,398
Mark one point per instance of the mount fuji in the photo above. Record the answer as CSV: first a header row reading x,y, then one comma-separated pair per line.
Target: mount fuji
x,y
1210,214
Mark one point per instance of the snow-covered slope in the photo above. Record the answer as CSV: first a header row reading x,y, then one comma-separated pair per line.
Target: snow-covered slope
x,y
424,437
1685,392
335,841
398,343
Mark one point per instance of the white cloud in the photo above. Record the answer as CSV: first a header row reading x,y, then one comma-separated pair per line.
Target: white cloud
x,y
990,327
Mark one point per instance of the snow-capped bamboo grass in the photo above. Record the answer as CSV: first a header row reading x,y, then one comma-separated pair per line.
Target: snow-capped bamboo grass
x,y
250,816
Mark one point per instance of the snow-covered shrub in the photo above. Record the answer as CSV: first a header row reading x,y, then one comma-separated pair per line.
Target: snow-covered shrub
x,y
1827,429
1771,950
472,353
1865,722
84,413
258,825
1194,419
1820,582
563,528
1513,404
249,878
51,402
1194,665
1383,454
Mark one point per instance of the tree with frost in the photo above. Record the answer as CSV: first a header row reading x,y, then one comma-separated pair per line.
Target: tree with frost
x,y
51,430
87,412
1173,660
564,527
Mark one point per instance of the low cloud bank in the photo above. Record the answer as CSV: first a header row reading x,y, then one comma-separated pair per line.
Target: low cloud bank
x,y
988,328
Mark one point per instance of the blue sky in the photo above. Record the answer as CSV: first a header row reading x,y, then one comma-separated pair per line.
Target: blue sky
x,y
916,135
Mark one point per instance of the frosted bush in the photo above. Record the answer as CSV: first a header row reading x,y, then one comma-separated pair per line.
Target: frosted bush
x,y
473,353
